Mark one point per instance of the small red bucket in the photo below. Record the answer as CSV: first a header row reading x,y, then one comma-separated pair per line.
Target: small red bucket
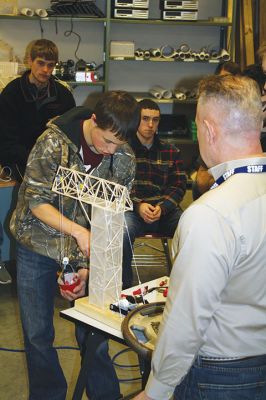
x,y
71,280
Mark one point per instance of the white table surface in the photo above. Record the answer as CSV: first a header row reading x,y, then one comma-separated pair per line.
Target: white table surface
x,y
150,297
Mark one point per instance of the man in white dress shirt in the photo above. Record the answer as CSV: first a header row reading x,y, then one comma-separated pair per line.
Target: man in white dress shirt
x,y
212,338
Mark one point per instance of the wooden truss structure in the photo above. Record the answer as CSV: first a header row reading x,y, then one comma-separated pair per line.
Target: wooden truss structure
x,y
109,201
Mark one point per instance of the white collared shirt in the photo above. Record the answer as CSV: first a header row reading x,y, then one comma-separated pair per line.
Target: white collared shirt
x,y
216,304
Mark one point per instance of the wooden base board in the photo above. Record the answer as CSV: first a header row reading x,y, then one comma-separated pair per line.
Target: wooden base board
x,y
114,319
106,316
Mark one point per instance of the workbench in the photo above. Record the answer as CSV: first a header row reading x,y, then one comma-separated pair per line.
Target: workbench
x,y
108,323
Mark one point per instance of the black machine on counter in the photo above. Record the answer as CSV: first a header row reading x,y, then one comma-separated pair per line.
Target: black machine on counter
x,y
82,71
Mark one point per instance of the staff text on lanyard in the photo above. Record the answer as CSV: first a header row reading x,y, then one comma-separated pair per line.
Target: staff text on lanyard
x,y
247,169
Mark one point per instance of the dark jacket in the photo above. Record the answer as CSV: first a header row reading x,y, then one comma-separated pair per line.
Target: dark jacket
x,y
23,118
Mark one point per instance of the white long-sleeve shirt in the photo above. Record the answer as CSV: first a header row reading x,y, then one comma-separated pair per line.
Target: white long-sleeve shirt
x,y
216,304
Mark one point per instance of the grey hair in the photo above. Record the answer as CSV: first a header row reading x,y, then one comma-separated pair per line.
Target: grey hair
x,y
236,98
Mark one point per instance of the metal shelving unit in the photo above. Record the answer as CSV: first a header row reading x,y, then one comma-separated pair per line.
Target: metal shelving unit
x,y
145,95
75,84
226,27
103,83
51,18
108,22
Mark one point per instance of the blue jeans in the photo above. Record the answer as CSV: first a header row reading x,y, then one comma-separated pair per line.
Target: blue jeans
x,y
135,226
224,380
37,285
102,382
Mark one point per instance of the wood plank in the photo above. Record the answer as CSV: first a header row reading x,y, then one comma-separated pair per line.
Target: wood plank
x,y
242,52
248,32
106,316
229,30
262,21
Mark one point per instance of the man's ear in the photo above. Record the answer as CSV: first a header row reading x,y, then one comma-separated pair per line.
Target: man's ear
x,y
211,136
29,61
93,118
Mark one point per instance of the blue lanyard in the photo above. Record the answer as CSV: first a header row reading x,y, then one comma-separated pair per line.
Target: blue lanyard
x,y
247,169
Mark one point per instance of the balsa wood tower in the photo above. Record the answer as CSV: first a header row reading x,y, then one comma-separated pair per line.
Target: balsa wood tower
x,y
108,202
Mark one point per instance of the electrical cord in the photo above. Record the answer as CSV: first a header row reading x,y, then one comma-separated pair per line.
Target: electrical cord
x,y
7,173
125,366
120,365
41,27
56,25
67,33
23,350
77,349
71,32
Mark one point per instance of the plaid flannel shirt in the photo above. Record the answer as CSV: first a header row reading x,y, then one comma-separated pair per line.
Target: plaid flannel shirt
x,y
160,178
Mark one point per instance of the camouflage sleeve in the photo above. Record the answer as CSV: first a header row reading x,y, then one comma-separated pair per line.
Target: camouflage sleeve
x,y
125,166
44,159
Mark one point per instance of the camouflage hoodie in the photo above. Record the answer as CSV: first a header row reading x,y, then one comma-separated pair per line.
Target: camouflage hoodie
x,y
60,145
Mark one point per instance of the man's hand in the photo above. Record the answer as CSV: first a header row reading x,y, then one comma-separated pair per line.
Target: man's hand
x,y
149,213
142,396
78,291
82,236
157,213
